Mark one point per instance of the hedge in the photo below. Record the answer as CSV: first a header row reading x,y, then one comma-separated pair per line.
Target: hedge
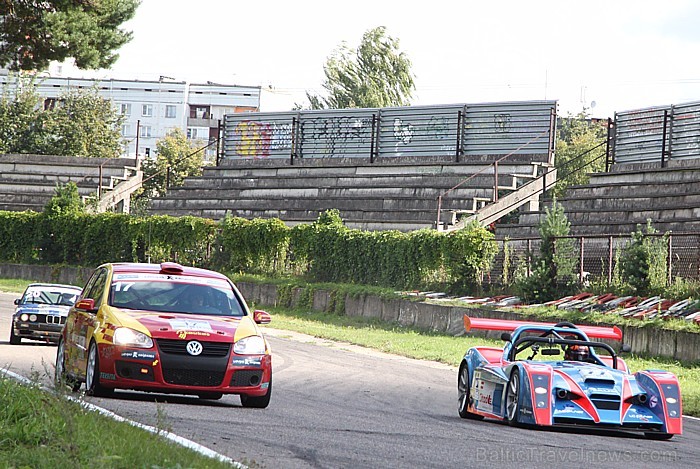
x,y
323,251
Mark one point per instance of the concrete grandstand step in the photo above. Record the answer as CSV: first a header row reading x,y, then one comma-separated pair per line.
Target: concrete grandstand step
x,y
445,182
27,187
631,202
373,203
352,220
597,189
326,192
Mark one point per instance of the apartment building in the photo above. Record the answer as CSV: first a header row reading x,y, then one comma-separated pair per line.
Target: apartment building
x,y
152,108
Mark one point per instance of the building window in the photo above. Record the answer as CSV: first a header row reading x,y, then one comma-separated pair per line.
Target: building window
x,y
170,111
145,131
125,109
49,104
126,130
147,110
191,133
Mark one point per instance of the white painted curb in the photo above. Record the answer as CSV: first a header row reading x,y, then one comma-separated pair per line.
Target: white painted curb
x,y
170,436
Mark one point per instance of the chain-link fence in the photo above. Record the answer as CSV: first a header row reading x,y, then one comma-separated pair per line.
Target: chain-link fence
x,y
596,256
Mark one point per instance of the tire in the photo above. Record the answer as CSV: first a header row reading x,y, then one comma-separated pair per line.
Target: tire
x,y
464,393
92,374
14,339
257,402
61,378
212,396
513,398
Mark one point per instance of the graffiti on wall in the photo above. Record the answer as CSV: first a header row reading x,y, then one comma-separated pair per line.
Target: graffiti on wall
x,y
329,136
439,130
261,139
502,122
485,128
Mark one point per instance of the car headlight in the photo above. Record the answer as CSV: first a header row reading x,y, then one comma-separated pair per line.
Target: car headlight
x,y
131,338
24,317
253,345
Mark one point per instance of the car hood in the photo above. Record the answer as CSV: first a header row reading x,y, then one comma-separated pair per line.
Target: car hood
x,y
37,308
593,378
189,326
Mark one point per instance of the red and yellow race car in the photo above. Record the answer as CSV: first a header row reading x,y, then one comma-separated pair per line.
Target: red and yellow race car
x,y
165,328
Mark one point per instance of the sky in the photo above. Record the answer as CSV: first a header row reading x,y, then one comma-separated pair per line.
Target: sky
x,y
602,55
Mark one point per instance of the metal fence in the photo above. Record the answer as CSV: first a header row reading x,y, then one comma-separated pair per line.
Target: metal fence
x,y
459,130
596,256
657,134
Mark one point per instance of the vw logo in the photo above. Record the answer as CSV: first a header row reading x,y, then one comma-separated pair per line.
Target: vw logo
x,y
194,347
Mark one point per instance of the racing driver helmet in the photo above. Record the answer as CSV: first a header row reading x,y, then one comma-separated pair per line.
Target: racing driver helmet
x,y
577,353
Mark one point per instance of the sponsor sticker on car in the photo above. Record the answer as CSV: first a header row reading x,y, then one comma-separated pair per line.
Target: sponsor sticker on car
x,y
246,361
190,325
138,355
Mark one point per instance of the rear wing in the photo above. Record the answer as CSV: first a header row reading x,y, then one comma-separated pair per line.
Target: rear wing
x,y
598,332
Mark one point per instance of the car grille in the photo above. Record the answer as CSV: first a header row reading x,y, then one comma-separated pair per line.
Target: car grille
x,y
181,368
191,377
55,320
209,349
605,401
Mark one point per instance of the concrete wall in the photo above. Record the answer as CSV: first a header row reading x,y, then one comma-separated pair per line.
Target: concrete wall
x,y
49,274
649,341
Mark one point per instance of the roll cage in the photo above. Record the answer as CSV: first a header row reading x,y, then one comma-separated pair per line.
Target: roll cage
x,y
552,336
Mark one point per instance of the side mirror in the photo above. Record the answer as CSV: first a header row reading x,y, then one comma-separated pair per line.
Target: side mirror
x,y
626,348
17,300
261,317
88,304
506,337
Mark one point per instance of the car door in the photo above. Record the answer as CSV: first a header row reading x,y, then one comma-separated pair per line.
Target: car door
x,y
82,323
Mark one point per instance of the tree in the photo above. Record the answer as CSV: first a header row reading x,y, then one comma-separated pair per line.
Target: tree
x,y
176,158
82,124
580,150
377,75
553,275
35,32
20,117
78,123
66,200
644,261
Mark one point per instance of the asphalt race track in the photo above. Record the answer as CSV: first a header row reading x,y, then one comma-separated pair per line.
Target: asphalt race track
x,y
338,406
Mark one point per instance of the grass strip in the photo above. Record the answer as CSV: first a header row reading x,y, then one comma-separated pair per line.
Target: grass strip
x,y
43,430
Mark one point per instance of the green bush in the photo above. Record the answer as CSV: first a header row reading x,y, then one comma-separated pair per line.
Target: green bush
x,y
324,251
643,264
553,274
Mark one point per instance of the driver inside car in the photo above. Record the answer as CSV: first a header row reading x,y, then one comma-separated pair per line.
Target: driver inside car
x,y
579,353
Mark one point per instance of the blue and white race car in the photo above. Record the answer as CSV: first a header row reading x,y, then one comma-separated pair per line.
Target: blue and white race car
x,y
529,382
41,312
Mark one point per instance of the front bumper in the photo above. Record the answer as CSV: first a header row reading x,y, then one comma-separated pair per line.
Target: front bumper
x,y
168,371
37,330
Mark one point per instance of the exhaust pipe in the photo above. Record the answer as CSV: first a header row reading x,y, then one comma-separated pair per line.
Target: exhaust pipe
x,y
641,399
562,393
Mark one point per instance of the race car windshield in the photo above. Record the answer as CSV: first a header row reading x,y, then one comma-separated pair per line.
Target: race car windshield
x,y
175,297
43,296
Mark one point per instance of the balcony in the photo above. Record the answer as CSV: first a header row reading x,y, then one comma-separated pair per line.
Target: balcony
x,y
202,122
